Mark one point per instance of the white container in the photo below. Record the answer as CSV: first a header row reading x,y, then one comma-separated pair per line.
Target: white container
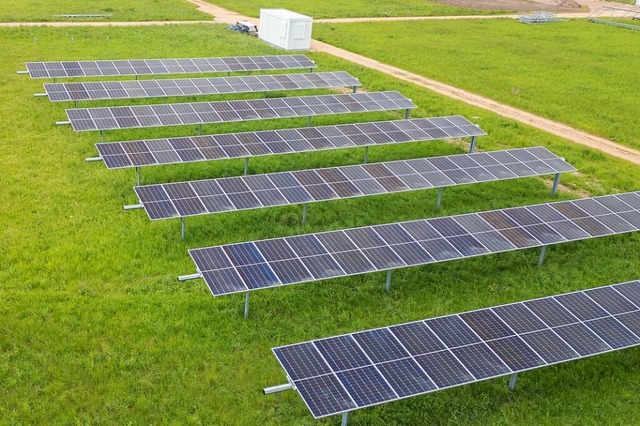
x,y
286,29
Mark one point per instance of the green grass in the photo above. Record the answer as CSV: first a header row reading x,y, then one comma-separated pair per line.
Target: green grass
x,y
96,329
575,72
121,10
319,9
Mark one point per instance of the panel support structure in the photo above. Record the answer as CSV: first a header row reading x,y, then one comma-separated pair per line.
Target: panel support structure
x,y
304,213
439,200
246,304
556,182
388,283
345,419
189,277
472,146
246,165
543,250
138,177
366,155
512,381
182,227
407,113
276,389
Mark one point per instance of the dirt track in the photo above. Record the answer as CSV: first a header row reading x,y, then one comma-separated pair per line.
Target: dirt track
x,y
550,126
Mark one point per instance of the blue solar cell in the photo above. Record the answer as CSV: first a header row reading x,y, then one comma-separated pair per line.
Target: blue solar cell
x,y
444,369
452,331
366,386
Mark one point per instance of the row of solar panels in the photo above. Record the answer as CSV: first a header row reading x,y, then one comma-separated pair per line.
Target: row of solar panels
x,y
344,373
137,67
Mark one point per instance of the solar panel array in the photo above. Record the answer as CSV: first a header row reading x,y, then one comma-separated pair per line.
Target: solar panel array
x,y
128,117
196,86
254,265
352,371
269,142
127,67
170,200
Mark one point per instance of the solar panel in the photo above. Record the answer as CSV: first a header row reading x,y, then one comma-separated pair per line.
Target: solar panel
x,y
126,67
342,253
98,90
128,117
391,363
269,142
248,192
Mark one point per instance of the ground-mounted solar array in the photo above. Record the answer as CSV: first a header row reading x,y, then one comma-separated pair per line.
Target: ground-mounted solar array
x,y
182,199
129,117
269,142
343,373
131,89
129,67
248,266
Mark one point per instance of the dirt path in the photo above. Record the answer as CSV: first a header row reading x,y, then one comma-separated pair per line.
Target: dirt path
x,y
558,129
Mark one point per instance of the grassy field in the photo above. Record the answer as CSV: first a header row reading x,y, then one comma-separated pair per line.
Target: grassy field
x,y
319,9
574,72
121,10
96,330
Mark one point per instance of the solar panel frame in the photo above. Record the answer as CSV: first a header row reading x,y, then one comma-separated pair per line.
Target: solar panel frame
x,y
438,366
115,68
87,119
317,185
438,249
135,89
257,144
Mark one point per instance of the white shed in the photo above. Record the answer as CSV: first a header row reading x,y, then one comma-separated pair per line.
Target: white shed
x,y
286,29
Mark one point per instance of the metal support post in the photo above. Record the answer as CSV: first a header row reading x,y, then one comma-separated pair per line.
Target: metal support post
x,y
407,113
182,230
189,277
304,213
55,79
75,104
246,165
472,146
543,250
102,135
556,182
133,207
355,89
228,73
22,72
309,121
91,159
345,419
139,179
278,388
246,304
512,381
63,123
40,95
439,201
366,154
136,76
388,285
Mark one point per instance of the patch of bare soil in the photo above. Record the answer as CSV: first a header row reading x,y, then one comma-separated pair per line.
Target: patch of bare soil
x,y
514,5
